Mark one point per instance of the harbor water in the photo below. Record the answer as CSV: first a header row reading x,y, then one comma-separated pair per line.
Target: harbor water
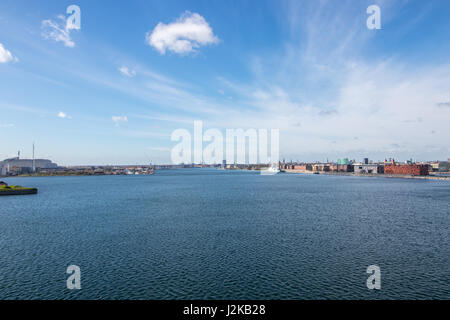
x,y
216,234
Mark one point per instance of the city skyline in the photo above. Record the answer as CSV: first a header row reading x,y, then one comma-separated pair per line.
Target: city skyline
x,y
112,90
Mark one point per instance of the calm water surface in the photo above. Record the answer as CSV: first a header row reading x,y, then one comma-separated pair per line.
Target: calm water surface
x,y
212,234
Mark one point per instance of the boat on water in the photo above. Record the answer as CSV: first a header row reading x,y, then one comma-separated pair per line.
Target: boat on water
x,y
273,169
138,172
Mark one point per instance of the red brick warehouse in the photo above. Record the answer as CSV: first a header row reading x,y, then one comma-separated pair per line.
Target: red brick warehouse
x,y
407,169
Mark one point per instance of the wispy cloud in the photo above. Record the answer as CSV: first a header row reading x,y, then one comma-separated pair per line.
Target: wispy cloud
x,y
58,30
162,149
127,72
146,134
443,104
185,35
27,109
118,119
161,91
6,55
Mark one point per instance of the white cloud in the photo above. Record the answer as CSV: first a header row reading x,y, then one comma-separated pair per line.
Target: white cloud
x,y
5,55
185,35
62,115
58,31
6,125
118,119
127,72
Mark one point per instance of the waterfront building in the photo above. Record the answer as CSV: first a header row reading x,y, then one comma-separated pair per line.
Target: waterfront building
x,y
343,161
367,168
18,165
341,167
302,167
440,166
406,169
324,167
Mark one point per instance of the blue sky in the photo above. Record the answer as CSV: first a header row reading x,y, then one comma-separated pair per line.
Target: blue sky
x,y
113,91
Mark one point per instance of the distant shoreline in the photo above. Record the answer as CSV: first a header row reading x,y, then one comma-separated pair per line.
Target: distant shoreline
x,y
374,175
349,174
352,174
